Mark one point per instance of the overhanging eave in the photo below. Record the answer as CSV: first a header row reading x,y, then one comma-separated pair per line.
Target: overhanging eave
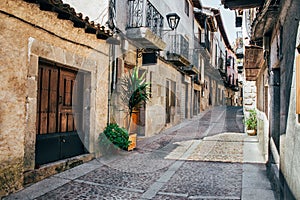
x,y
242,4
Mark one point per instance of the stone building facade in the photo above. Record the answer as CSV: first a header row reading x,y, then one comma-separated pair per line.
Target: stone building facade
x,y
184,75
40,53
272,62
146,41
212,43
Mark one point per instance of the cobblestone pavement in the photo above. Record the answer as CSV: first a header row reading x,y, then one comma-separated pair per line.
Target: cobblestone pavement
x,y
201,158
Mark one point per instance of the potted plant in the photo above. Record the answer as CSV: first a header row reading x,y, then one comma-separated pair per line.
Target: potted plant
x,y
113,138
251,123
135,93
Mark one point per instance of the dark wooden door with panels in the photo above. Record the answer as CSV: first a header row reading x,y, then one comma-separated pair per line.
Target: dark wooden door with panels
x,y
59,113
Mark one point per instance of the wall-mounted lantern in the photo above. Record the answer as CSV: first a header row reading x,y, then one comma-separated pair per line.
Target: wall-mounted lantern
x,y
173,20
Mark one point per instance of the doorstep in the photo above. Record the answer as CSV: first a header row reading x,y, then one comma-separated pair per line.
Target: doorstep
x,y
50,169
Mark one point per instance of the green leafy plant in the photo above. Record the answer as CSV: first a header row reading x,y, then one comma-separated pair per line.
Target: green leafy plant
x,y
251,121
113,134
135,91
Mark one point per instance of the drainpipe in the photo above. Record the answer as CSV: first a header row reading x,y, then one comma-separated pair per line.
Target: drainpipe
x,y
109,84
112,76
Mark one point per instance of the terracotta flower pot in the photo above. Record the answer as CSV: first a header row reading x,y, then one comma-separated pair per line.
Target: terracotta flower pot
x,y
251,132
132,145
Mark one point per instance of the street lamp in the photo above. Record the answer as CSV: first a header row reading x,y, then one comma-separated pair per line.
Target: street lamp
x,y
173,20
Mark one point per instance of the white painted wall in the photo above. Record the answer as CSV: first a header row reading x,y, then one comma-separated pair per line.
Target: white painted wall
x,y
96,10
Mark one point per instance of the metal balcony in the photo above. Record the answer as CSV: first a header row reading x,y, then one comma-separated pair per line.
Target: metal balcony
x,y
145,24
193,68
178,50
239,51
194,57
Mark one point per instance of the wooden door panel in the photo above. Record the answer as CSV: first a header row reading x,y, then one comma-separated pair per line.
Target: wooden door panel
x,y
67,90
65,108
52,128
43,123
63,122
70,124
53,101
47,98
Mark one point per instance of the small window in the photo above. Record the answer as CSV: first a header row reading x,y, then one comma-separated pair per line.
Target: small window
x,y
187,8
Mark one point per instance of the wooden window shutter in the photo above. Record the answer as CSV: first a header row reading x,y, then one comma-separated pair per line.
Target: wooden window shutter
x,y
298,84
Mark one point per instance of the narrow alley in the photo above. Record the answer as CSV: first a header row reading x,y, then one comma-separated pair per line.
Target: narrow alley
x,y
207,157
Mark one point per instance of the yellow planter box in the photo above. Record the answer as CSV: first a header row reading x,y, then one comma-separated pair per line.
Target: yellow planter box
x,y
132,145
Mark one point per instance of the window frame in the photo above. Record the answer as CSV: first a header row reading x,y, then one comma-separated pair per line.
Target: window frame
x,y
187,8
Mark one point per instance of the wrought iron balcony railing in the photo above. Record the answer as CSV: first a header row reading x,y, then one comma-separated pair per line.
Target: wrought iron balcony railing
x,y
194,57
179,45
142,13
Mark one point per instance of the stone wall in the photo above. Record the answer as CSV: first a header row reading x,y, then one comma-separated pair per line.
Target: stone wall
x,y
262,106
290,147
157,104
290,140
284,125
40,34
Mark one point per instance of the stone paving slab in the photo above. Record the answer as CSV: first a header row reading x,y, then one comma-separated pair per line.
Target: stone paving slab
x,y
84,191
252,153
255,184
109,176
168,196
78,171
141,163
261,194
39,188
256,180
205,179
225,147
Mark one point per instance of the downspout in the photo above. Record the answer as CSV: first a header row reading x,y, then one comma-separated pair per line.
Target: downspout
x,y
109,84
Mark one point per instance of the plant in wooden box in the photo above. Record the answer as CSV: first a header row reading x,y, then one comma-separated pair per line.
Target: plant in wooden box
x,y
135,93
251,123
113,138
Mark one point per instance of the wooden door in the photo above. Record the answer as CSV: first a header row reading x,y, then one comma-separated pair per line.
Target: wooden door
x,y
57,136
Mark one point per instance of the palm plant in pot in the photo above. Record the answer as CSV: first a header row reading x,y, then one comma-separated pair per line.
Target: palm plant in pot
x,y
134,93
251,123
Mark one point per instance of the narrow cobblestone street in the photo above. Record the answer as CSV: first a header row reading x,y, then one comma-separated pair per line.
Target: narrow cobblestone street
x,y
202,158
